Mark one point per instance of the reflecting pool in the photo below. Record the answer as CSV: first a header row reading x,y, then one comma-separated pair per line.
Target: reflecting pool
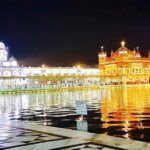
x,y
118,111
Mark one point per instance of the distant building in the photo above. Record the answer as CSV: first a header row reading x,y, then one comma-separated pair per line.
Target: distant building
x,y
9,68
124,66
14,76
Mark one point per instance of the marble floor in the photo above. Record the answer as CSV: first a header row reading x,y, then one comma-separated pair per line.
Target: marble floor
x,y
21,135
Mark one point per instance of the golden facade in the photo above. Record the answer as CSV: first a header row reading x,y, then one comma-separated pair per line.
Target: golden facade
x,y
124,66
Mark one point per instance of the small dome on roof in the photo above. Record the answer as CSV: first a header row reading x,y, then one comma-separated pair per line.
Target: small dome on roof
x,y
123,51
12,59
2,45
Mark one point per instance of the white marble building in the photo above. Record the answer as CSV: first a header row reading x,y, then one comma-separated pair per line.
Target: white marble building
x,y
9,67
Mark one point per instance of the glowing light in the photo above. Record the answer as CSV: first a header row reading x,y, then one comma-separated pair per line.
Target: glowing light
x,y
78,66
43,65
2,45
36,82
14,63
102,47
123,43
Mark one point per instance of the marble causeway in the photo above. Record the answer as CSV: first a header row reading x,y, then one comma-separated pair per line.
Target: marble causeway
x,y
11,137
20,135
90,145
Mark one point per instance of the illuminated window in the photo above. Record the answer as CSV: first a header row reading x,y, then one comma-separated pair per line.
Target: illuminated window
x,y
133,70
127,71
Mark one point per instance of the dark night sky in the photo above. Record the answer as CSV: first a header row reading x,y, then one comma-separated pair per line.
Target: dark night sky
x,y
66,32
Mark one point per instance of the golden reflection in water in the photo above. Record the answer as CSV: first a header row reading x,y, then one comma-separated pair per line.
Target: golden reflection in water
x,y
125,107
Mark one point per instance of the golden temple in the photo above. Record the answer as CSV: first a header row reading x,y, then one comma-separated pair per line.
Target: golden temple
x,y
124,66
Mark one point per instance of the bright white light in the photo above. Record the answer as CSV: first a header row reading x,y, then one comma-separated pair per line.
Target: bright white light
x,y
122,43
2,45
14,63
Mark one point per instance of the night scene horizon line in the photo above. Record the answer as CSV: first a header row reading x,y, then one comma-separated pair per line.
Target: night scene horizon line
x,y
79,62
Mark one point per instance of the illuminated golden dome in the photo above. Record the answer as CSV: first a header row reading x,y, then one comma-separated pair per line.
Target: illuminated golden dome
x,y
123,51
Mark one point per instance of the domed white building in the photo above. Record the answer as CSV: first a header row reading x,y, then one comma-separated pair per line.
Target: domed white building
x,y
9,67
13,76
4,60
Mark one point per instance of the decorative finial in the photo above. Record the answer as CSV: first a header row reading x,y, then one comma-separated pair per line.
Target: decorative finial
x,y
111,52
137,48
122,43
102,48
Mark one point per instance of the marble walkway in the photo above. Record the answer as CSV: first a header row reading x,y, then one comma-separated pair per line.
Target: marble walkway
x,y
19,135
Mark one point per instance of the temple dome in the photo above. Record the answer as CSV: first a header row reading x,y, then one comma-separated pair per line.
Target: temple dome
x,y
12,59
123,51
2,45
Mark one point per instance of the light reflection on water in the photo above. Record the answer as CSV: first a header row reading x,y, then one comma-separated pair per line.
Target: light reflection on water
x,y
118,111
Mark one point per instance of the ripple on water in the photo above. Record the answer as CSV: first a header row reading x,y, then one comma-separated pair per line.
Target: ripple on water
x,y
123,112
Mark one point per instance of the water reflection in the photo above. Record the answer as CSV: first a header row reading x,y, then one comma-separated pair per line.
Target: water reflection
x,y
118,111
126,112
